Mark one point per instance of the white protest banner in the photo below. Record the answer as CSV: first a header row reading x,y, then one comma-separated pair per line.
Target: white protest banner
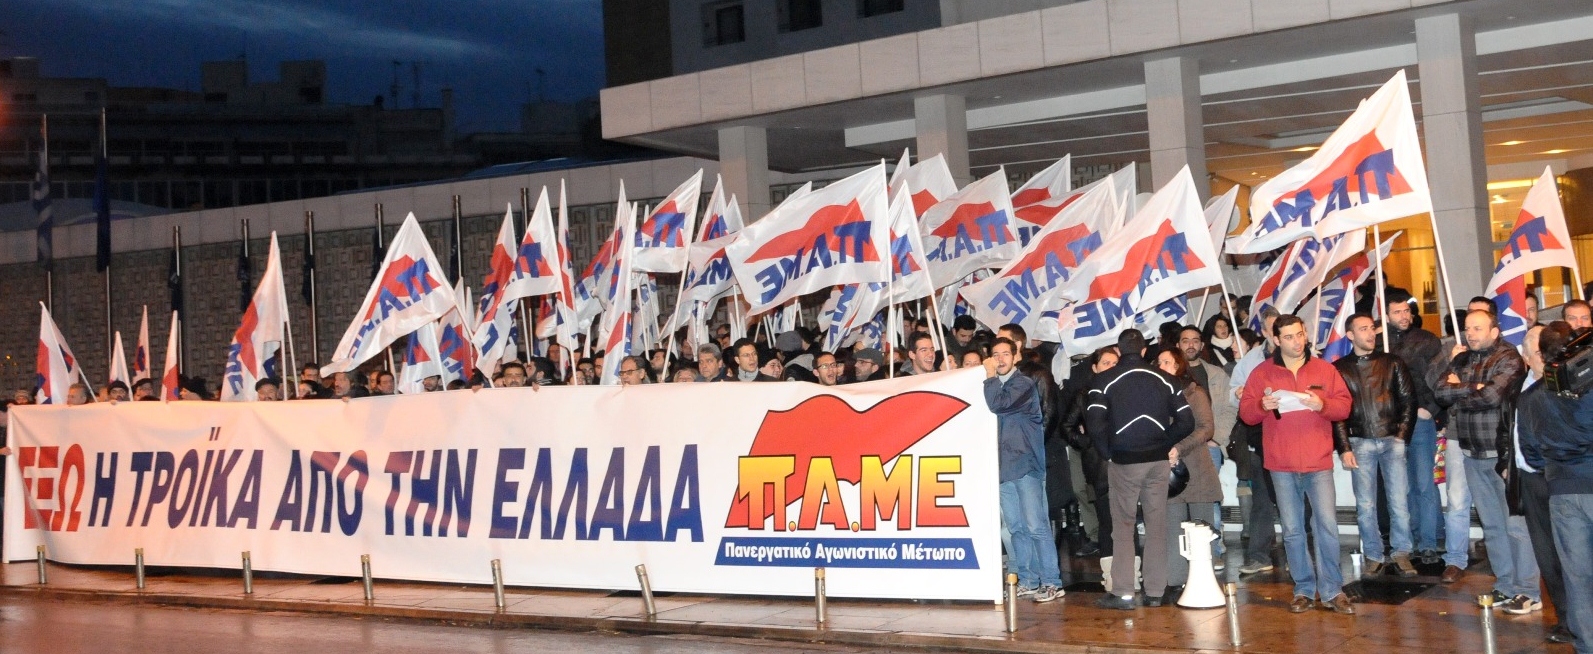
x,y
728,489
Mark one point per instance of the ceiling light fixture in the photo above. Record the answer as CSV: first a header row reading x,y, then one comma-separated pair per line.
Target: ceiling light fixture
x,y
1555,151
1512,143
1307,148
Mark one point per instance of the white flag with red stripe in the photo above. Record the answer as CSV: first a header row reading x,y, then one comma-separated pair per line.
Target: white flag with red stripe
x,y
495,309
1164,251
57,368
1368,172
836,235
410,290
662,237
260,333
538,262
141,362
723,215
970,230
119,364
926,183
1539,240
1016,293
615,331
422,359
171,377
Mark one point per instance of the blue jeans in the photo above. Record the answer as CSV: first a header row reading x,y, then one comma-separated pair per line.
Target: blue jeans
x,y
1573,539
1372,456
1423,502
1515,570
1217,548
1324,580
1033,555
1457,517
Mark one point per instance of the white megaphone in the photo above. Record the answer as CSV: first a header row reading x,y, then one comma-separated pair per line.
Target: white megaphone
x,y
1200,590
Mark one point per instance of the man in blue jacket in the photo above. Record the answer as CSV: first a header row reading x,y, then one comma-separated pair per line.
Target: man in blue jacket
x,y
1020,446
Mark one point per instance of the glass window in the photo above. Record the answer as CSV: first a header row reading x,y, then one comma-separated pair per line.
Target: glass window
x,y
797,15
723,23
218,194
867,8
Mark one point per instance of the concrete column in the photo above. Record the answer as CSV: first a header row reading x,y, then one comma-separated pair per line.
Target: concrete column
x,y
1451,113
744,164
942,125
1177,131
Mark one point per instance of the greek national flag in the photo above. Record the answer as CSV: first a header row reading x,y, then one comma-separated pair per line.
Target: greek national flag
x,y
41,204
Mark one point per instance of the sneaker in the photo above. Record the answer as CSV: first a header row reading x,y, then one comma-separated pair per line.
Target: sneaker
x,y
1219,565
1254,567
1521,605
1152,602
1027,591
1500,600
1403,563
1048,593
1116,602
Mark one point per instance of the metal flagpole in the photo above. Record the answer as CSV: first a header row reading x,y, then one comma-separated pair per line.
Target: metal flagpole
x,y
458,253
1443,273
1233,320
525,320
177,254
1382,299
292,361
309,253
105,155
1576,277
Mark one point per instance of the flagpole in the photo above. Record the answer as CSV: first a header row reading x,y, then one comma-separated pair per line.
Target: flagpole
x,y
1443,272
1382,299
309,254
525,320
1233,316
889,336
177,255
105,155
44,165
457,253
1200,314
293,361
1576,277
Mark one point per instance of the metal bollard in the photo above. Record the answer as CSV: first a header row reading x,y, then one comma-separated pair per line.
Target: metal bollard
x,y
1488,644
44,577
1012,603
365,574
647,591
821,613
497,584
138,568
1233,614
248,574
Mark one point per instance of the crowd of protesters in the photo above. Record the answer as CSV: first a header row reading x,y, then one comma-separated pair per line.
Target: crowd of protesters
x,y
1148,423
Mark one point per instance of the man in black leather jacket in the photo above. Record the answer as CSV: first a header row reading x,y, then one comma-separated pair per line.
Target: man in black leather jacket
x,y
1422,353
1382,416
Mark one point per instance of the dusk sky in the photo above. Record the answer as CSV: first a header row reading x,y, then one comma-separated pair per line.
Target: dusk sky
x,y
486,50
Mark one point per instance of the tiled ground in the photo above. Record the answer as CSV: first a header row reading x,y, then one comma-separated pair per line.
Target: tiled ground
x,y
1441,619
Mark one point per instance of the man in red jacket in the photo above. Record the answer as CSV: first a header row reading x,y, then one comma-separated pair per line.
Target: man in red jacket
x,y
1296,399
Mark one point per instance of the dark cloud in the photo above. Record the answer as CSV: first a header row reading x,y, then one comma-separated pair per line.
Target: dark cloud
x,y
486,50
